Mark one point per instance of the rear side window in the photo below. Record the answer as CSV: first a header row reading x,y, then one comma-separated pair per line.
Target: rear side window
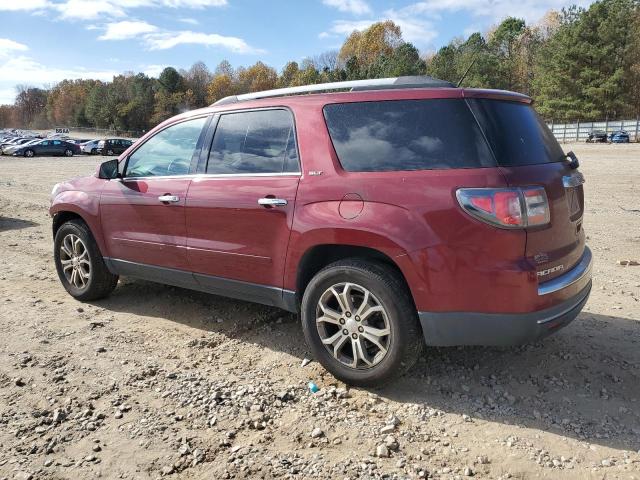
x,y
261,141
406,135
517,135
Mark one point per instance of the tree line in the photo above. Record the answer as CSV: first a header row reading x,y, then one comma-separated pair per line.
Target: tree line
x,y
577,64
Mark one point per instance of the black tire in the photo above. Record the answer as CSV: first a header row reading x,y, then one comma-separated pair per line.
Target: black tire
x,y
101,281
29,153
94,151
406,342
68,152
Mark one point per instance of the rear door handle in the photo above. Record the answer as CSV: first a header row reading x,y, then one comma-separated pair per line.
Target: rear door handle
x,y
169,198
272,202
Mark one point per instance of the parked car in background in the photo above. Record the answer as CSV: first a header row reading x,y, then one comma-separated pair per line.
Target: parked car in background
x,y
406,211
619,137
113,146
48,147
597,136
9,150
90,147
14,142
78,141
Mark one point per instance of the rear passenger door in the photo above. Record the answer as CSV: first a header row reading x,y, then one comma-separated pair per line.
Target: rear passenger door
x,y
239,212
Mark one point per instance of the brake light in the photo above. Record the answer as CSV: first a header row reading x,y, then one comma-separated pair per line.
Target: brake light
x,y
506,207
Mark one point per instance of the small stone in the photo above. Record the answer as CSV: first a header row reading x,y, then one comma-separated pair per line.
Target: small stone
x,y
19,383
58,415
391,442
629,263
48,462
606,462
382,451
118,414
468,472
90,458
316,432
387,429
101,349
97,448
23,476
168,470
305,362
184,449
79,309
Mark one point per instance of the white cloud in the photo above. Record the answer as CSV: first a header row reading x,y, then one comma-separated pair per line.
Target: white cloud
x,y
530,10
164,41
190,21
92,9
11,5
7,46
357,7
126,29
89,9
419,31
23,69
153,70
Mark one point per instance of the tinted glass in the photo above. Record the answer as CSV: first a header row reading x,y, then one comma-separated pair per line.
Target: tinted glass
x,y
168,152
254,142
517,135
406,135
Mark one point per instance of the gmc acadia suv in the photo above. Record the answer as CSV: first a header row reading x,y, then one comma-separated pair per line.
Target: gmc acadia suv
x,y
402,212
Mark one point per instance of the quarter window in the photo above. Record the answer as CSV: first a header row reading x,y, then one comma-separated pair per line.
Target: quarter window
x,y
406,135
169,152
260,141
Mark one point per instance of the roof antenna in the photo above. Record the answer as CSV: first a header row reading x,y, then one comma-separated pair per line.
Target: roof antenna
x,y
473,62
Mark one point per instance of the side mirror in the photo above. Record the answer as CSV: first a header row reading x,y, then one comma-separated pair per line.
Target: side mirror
x,y
109,170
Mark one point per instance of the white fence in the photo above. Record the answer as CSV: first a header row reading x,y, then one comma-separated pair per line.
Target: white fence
x,y
579,131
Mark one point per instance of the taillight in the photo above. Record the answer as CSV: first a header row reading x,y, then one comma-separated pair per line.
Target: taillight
x,y
506,207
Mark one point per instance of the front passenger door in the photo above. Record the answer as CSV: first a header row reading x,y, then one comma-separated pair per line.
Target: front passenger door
x,y
142,215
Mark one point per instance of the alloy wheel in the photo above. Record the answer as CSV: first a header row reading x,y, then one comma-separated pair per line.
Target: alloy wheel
x,y
353,325
74,258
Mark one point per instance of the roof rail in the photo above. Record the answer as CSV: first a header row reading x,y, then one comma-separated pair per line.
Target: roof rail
x,y
353,85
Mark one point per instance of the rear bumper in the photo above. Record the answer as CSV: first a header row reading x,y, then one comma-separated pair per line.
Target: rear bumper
x,y
504,329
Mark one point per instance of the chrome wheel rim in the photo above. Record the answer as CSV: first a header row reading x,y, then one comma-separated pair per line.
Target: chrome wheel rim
x,y
74,259
29,153
353,325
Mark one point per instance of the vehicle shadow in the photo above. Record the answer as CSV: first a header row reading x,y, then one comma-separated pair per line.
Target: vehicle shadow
x,y
9,223
582,383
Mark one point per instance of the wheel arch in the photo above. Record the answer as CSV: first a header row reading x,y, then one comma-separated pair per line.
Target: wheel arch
x,y
64,212
316,257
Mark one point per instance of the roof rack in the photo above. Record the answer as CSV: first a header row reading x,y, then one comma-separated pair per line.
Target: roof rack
x,y
352,85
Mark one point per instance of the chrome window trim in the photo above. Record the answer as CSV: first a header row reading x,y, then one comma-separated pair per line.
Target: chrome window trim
x,y
581,270
213,175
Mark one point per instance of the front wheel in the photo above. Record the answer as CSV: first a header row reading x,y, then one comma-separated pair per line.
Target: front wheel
x,y
29,153
110,152
79,264
360,322
68,152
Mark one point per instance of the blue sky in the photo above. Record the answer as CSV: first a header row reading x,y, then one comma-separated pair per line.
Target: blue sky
x,y
44,41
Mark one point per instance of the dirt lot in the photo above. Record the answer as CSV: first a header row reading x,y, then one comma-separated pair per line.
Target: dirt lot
x,y
158,381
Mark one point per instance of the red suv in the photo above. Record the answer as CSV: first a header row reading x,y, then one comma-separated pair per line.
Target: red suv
x,y
402,212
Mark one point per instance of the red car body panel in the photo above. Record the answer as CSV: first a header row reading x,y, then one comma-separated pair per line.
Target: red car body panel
x,y
229,235
451,261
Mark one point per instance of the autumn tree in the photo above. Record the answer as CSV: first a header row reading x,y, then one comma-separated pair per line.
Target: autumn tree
x,y
367,45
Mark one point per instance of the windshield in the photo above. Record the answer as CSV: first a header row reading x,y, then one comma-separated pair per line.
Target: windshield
x,y
516,134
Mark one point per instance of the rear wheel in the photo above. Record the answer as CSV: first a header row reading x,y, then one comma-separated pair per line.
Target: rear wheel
x,y
110,152
79,264
94,151
360,322
68,152
29,153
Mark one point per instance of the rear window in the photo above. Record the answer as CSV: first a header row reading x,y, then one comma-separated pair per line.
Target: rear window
x,y
517,135
406,135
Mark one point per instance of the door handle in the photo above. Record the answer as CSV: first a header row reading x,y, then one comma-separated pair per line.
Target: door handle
x,y
272,202
169,198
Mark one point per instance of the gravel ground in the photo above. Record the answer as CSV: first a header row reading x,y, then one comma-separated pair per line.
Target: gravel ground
x,y
158,381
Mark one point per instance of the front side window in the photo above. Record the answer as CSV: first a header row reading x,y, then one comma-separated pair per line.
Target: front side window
x,y
406,135
169,152
261,141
